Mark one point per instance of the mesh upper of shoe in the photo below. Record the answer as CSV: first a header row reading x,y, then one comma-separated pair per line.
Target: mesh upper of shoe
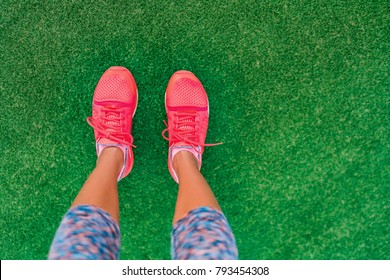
x,y
113,88
187,92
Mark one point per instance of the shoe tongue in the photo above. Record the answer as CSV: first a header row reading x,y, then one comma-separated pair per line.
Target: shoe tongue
x,y
112,120
105,141
112,116
182,144
189,119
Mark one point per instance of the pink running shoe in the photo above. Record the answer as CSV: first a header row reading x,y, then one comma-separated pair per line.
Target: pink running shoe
x,y
187,107
113,107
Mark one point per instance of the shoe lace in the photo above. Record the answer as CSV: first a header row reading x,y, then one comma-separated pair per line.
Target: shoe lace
x,y
109,125
184,129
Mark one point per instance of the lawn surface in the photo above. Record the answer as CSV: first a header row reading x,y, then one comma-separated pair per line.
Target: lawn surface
x,y
299,95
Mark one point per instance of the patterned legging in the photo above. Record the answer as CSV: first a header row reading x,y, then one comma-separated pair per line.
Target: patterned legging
x,y
88,232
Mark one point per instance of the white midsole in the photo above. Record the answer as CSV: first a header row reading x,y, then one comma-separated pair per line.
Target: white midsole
x,y
136,105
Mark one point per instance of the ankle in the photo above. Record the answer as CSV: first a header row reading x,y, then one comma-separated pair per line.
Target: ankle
x,y
111,155
184,160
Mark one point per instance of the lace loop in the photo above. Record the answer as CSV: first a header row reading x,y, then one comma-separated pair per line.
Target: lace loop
x,y
185,129
109,126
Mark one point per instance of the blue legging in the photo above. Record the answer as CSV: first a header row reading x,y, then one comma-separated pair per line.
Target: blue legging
x,y
89,232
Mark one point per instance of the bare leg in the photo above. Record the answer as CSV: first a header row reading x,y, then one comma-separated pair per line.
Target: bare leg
x,y
100,189
194,191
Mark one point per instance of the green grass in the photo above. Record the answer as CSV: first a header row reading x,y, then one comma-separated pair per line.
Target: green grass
x,y
299,94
